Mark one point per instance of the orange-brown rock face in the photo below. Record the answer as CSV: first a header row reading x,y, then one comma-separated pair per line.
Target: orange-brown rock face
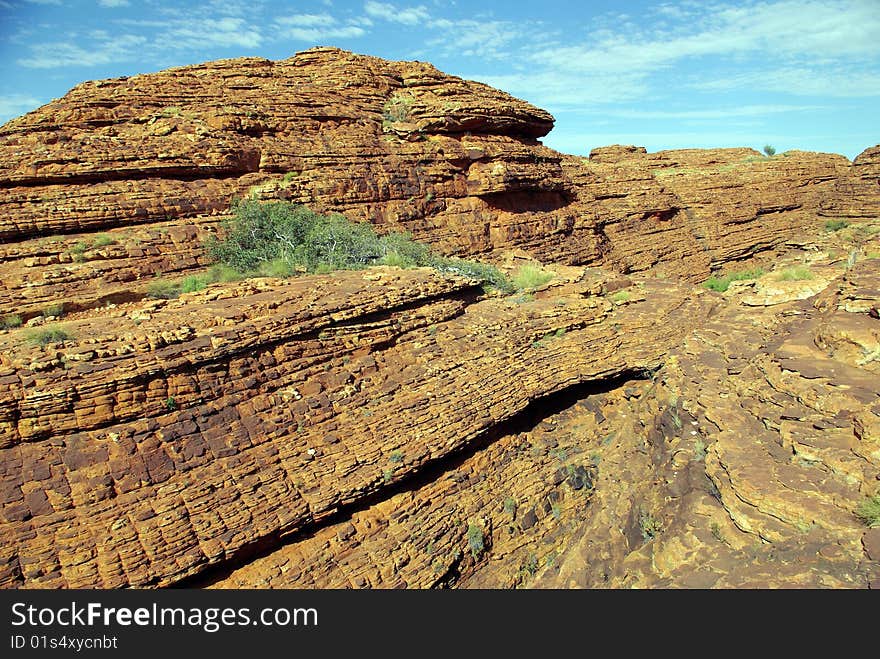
x,y
615,427
724,205
124,179
146,451
856,194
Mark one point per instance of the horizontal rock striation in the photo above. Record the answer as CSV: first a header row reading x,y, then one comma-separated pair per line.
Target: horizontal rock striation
x,y
856,194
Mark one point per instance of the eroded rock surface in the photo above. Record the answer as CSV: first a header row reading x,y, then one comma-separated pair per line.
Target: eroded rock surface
x,y
619,426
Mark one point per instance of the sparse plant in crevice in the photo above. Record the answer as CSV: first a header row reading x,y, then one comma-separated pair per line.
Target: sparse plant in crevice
x,y
621,296
396,456
869,511
283,239
722,283
475,540
48,335
649,526
531,276
835,225
170,404
699,450
510,507
397,108
10,322
54,310
799,273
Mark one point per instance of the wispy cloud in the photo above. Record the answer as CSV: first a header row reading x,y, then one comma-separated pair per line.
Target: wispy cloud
x,y
307,20
316,27
64,53
13,105
405,15
715,113
834,81
755,37
113,3
206,32
476,38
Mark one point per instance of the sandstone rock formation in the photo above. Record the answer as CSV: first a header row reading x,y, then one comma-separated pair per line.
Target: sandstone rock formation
x,y
619,426
122,180
856,193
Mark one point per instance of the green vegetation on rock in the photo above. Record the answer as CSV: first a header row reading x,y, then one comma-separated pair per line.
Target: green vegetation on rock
x,y
283,239
721,284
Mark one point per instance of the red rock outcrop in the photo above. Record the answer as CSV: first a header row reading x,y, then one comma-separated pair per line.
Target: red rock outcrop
x,y
856,194
398,428
153,162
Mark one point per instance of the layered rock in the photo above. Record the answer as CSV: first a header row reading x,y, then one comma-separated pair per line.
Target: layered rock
x,y
730,204
856,194
393,428
154,161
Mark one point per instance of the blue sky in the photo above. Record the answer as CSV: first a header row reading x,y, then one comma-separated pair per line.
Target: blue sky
x,y
797,74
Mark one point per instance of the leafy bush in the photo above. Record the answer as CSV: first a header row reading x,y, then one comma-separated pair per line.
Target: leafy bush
x,y
530,276
475,540
11,321
102,240
54,310
769,150
721,284
836,225
48,335
621,296
281,239
163,289
397,108
193,283
869,511
796,274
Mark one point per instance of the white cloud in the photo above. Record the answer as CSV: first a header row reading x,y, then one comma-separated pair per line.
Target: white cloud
x,y
14,105
197,34
788,28
65,53
559,89
113,3
307,20
45,2
476,38
388,12
718,113
325,34
831,81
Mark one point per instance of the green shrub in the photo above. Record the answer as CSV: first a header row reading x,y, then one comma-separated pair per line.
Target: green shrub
x,y
11,321
769,150
163,289
721,284
193,283
78,251
836,225
510,506
281,239
649,525
799,273
397,108
475,540
54,310
102,240
45,336
530,276
224,273
621,296
869,511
